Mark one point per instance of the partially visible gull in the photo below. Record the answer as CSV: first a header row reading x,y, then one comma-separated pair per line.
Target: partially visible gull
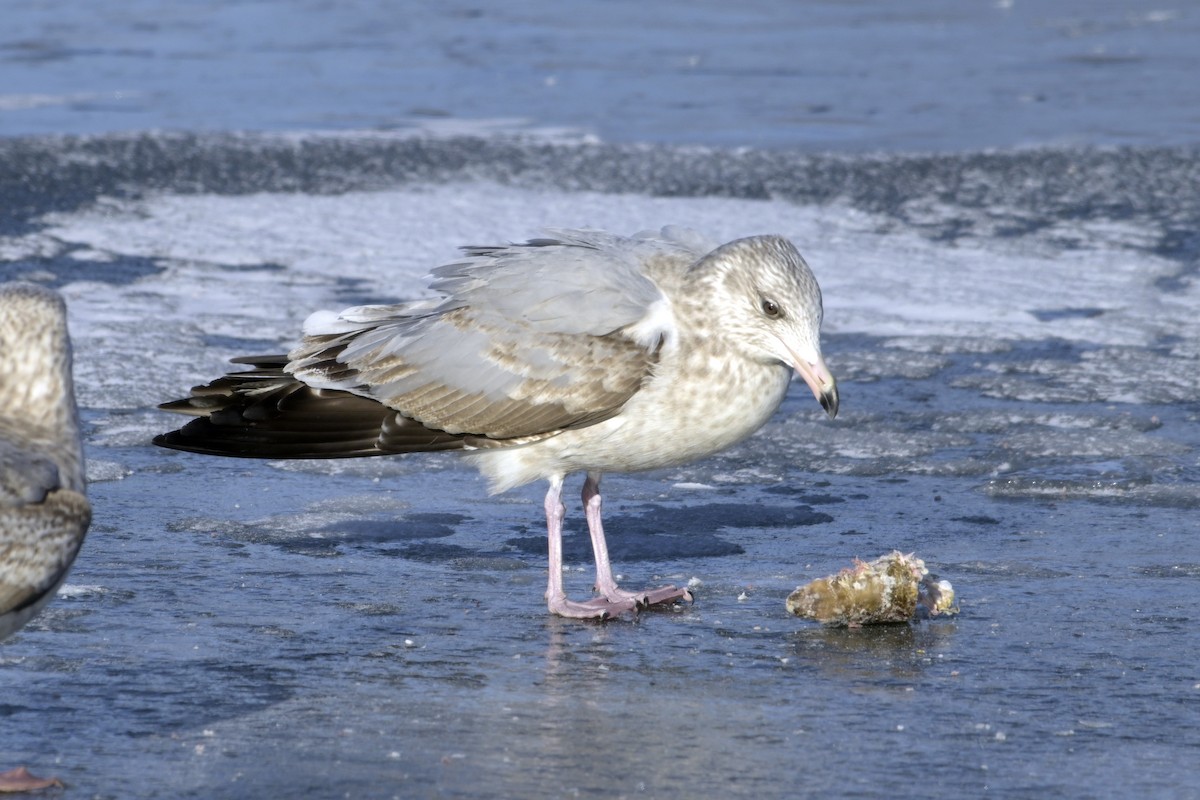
x,y
44,512
579,352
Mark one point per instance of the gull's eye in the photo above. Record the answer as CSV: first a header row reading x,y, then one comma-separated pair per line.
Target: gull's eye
x,y
770,308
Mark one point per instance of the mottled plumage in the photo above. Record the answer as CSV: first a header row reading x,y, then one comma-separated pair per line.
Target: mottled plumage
x,y
582,351
44,512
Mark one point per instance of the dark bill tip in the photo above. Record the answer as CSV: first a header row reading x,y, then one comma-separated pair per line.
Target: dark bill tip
x,y
829,401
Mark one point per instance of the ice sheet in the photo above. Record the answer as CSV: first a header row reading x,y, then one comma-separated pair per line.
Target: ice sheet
x,y
1017,408
876,281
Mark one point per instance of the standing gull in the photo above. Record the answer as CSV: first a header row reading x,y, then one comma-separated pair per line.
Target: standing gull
x,y
44,513
580,352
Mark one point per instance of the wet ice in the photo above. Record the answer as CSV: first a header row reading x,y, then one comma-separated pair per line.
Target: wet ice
x,y
1026,455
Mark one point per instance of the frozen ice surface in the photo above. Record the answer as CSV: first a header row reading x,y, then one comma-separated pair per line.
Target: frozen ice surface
x,y
1020,409
376,650
1014,329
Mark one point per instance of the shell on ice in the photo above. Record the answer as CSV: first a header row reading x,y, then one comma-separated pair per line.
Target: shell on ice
x,y
892,588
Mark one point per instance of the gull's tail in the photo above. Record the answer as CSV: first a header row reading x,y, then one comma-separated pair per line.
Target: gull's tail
x,y
266,413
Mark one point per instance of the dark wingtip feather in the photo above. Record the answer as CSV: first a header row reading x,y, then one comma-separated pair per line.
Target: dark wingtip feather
x,y
266,413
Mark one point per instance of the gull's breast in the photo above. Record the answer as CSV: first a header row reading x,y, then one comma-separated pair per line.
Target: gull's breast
x,y
672,421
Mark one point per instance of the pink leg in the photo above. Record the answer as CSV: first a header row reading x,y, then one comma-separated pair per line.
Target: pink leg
x,y
556,596
605,584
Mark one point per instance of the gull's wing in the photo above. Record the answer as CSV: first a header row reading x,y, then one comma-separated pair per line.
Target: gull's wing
x,y
25,477
38,543
531,338
42,524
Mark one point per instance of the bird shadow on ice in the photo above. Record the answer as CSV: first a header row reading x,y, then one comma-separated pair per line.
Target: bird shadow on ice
x,y
417,537
648,533
663,532
292,533
380,531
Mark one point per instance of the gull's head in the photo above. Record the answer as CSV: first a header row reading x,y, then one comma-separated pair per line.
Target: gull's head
x,y
772,308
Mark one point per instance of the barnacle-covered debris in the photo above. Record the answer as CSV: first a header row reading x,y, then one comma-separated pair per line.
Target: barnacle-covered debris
x,y
892,588
935,597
